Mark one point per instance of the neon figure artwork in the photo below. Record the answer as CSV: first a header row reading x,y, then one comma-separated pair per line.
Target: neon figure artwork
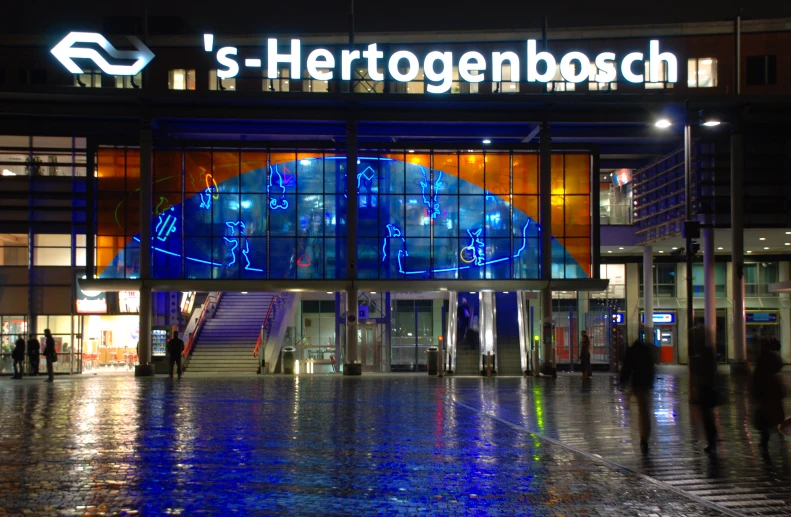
x,y
432,206
276,182
165,226
234,239
476,247
394,231
369,176
209,193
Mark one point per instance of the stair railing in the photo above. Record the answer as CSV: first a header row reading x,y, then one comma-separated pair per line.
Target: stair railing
x,y
213,300
266,328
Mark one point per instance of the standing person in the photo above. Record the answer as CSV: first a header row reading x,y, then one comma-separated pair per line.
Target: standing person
x,y
463,317
585,355
175,349
18,355
33,353
50,355
768,392
638,366
709,398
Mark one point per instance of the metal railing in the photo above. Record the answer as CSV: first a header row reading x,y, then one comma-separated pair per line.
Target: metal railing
x,y
266,328
211,300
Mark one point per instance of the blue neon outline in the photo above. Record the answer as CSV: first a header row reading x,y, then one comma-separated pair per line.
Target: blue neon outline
x,y
167,229
359,179
179,255
209,193
432,205
273,203
235,241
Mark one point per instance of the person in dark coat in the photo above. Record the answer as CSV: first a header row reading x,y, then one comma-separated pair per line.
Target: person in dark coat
x,y
585,355
175,349
463,319
768,392
50,355
18,355
709,397
638,367
33,354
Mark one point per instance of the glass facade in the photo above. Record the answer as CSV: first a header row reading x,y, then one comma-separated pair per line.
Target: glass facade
x,y
282,214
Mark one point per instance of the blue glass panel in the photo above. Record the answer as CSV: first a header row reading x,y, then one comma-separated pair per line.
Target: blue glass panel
x,y
391,177
254,261
310,257
310,176
446,256
283,221
334,258
470,214
498,215
368,258
335,216
197,257
498,258
447,222
417,220
283,258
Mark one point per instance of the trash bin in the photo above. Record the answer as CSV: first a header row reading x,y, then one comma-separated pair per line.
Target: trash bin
x,y
432,354
289,356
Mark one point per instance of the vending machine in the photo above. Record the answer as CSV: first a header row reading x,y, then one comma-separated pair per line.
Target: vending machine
x,y
159,348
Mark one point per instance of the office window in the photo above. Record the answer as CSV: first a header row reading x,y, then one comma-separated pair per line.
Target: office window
x,y
663,82
129,81
13,249
595,86
506,85
362,83
557,84
698,280
702,72
758,276
90,79
218,83
280,83
664,280
181,79
52,250
761,70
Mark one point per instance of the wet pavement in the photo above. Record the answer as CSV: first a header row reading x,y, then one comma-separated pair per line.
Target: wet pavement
x,y
377,445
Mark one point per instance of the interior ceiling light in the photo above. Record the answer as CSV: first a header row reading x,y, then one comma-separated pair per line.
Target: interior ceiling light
x,y
719,248
7,172
674,248
712,123
749,251
761,238
663,123
660,251
609,251
487,141
787,244
620,247
766,247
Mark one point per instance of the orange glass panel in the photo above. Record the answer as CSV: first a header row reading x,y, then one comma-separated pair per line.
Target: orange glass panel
x,y
580,250
557,174
252,160
498,173
111,168
557,216
471,168
110,213
167,172
578,179
133,215
107,247
419,159
132,169
528,205
393,156
578,221
447,163
525,173
275,158
197,164
225,166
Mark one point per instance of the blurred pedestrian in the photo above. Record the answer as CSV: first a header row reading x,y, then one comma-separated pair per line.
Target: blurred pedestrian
x,y
33,354
709,397
175,349
18,355
585,355
768,392
463,321
50,355
638,367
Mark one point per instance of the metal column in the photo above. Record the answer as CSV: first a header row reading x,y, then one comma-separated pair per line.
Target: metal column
x,y
648,295
739,363
709,287
144,366
545,200
351,366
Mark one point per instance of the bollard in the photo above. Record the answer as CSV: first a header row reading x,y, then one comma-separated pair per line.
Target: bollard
x,y
488,364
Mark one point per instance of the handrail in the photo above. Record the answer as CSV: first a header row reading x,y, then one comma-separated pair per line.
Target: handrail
x,y
211,299
269,311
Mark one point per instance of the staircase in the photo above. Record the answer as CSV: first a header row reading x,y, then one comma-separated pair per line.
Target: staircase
x,y
509,360
225,343
467,355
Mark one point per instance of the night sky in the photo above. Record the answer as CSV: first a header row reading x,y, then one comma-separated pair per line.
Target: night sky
x,y
313,16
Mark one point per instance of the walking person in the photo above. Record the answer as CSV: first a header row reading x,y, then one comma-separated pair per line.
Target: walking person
x,y
638,367
768,392
709,397
50,355
175,349
463,319
18,355
585,355
33,353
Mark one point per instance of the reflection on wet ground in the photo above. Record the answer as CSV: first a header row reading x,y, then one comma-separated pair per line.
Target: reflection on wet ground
x,y
375,445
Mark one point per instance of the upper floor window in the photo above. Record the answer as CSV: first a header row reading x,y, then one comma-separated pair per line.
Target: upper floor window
x,y
280,83
558,84
507,85
757,278
181,79
663,82
90,79
129,81
362,83
702,72
218,83
698,280
761,70
664,280
594,85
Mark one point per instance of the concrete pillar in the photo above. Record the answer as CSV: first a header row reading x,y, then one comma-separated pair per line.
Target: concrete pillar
x,y
351,366
785,325
632,303
144,366
545,209
648,294
709,287
739,359
682,355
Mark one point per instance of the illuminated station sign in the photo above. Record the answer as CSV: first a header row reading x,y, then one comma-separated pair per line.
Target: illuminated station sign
x,y
324,64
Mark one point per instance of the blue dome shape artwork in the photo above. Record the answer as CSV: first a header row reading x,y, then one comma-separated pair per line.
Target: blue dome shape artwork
x,y
412,223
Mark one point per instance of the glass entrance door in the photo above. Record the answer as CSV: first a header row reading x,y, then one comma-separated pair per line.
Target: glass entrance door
x,y
370,347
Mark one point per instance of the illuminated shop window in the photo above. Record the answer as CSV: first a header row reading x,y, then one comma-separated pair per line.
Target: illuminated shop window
x,y
129,81
558,84
90,79
702,72
218,83
52,250
418,85
663,82
596,86
278,84
181,79
507,85
13,249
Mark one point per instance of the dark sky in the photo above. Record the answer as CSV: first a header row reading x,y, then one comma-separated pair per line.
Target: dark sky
x,y
310,16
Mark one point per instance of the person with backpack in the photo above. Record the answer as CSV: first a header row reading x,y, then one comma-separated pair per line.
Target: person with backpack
x,y
638,367
18,355
768,392
50,355
175,349
33,354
